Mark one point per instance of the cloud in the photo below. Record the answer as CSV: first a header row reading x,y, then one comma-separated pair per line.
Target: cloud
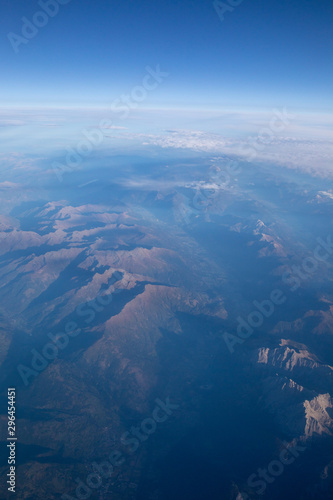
x,y
9,185
115,127
328,194
189,139
313,156
11,123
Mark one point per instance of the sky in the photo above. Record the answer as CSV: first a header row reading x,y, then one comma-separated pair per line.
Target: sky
x,y
263,53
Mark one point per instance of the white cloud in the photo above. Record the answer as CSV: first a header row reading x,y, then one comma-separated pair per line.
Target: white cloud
x,y
9,185
314,156
327,194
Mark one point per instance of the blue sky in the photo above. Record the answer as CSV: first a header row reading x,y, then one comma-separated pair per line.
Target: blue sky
x,y
265,53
